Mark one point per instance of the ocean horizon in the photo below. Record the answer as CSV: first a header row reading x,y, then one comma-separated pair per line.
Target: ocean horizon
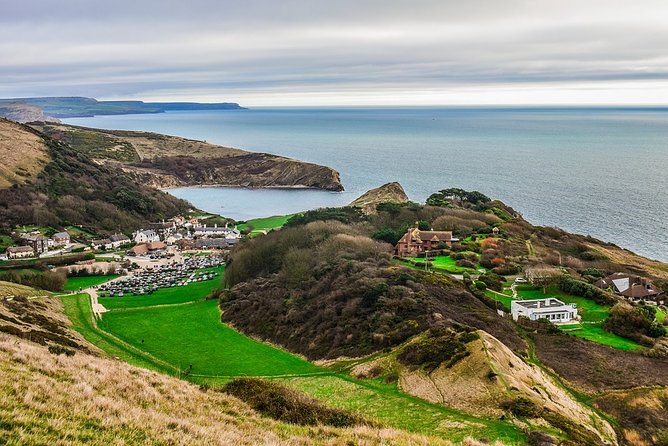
x,y
595,171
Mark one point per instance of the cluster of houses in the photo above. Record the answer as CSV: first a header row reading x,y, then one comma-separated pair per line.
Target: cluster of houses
x,y
175,233
36,244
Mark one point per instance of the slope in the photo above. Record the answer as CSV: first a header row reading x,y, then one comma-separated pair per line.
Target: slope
x,y
69,188
170,161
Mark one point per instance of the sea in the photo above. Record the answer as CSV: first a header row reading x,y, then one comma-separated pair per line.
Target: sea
x,y
594,171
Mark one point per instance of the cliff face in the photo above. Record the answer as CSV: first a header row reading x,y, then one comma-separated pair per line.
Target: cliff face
x,y
250,170
387,193
23,112
168,161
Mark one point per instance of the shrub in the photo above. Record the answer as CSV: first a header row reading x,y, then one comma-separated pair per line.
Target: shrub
x,y
281,403
493,281
521,407
569,285
437,347
465,264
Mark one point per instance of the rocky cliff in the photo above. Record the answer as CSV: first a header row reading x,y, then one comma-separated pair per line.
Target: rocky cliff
x,y
387,193
168,161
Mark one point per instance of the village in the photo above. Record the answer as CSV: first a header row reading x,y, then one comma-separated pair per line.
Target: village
x,y
160,240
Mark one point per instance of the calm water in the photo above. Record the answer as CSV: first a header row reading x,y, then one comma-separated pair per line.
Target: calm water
x,y
602,172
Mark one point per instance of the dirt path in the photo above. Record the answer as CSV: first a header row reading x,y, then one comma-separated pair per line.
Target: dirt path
x,y
97,307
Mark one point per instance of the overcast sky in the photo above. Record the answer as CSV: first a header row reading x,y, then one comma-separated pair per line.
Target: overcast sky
x,y
338,52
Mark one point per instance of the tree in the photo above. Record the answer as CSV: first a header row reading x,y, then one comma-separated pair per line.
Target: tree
x,y
423,225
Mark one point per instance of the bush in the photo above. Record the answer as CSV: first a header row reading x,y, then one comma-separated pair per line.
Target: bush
x,y
636,323
465,264
281,403
508,269
569,285
521,407
493,281
437,347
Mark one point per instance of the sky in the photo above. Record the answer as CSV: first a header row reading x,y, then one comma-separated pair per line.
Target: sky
x,y
361,52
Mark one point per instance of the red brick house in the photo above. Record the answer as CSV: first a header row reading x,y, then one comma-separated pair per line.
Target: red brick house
x,y
631,286
415,241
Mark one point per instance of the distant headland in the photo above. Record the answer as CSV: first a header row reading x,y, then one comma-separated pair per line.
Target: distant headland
x,y
53,108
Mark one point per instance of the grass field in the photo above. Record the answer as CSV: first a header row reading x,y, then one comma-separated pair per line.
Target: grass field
x,y
166,296
193,334
443,263
265,224
76,283
596,333
385,403
78,310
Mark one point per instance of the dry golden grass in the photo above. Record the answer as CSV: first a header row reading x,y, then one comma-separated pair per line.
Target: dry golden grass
x,y
82,399
9,290
633,261
23,154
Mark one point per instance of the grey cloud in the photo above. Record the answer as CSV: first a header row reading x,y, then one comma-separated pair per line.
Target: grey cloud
x,y
170,48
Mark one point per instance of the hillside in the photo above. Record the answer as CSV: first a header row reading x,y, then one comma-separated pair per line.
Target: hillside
x,y
48,397
328,276
169,161
24,155
479,374
62,186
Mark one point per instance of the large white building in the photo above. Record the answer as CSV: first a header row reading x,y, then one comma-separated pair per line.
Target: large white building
x,y
216,231
146,236
551,309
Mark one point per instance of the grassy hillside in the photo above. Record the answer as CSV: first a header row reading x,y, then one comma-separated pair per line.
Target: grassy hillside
x,y
170,161
46,398
72,189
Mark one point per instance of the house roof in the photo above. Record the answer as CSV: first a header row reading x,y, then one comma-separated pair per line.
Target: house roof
x,y
152,246
61,235
20,249
629,285
139,249
119,238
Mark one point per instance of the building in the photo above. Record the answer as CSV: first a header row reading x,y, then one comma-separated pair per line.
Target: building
x,y
146,236
551,309
118,240
211,243
217,231
173,238
138,250
415,241
100,243
39,243
630,286
61,238
20,252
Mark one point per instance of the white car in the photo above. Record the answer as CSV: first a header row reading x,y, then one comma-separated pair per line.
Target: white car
x,y
520,280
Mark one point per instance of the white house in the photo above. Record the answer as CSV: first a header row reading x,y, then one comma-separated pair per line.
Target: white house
x,y
146,236
217,231
551,309
20,252
118,240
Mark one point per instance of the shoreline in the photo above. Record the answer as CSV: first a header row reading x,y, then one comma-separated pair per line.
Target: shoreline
x,y
229,186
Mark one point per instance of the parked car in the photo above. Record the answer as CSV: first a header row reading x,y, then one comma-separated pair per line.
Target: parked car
x,y
520,280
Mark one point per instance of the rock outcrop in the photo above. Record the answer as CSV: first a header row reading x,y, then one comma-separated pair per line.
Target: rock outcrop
x,y
387,193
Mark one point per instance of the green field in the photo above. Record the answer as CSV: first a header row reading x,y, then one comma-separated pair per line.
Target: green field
x,y
265,224
76,283
596,333
166,296
384,402
78,310
442,263
193,334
